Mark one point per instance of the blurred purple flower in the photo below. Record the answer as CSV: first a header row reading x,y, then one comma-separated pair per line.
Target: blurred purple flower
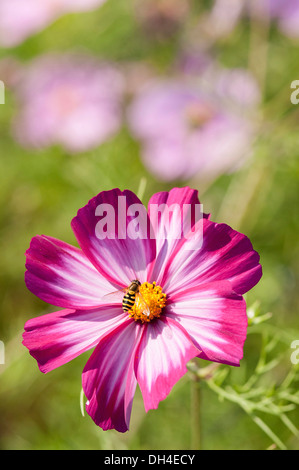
x,y
195,126
238,86
222,18
68,100
225,14
22,18
284,12
287,14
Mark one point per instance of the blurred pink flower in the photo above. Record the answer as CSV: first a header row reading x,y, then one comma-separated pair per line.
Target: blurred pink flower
x,y
195,125
225,15
20,19
71,101
194,296
286,13
222,18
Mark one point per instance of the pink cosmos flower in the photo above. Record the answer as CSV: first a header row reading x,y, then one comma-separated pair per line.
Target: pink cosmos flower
x,y
187,127
194,297
20,19
72,101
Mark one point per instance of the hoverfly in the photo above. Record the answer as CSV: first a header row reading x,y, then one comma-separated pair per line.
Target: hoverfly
x,y
129,297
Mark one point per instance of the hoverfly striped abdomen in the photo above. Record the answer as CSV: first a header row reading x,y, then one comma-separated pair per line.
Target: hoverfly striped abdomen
x,y
128,301
130,296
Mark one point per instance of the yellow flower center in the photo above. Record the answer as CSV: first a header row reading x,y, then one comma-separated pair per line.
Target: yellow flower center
x,y
149,303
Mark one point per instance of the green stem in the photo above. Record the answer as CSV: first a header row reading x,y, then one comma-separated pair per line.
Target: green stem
x,y
141,188
246,407
259,422
259,45
195,413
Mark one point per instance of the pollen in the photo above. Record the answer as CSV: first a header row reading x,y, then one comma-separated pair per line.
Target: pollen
x,y
149,303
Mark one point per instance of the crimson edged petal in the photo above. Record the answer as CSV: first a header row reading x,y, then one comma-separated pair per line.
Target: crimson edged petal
x,y
163,352
61,275
108,378
215,318
56,338
112,243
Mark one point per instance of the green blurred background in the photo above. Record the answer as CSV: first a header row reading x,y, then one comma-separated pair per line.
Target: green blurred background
x,y
41,192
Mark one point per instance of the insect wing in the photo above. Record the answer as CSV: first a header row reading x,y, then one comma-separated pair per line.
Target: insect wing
x,y
116,296
144,305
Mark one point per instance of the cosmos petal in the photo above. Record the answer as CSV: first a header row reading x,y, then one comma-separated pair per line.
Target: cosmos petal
x,y
161,359
112,246
223,254
108,378
215,318
57,338
171,214
62,275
